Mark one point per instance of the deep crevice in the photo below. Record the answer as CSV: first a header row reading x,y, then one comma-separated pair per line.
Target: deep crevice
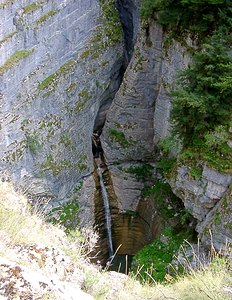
x,y
129,16
128,11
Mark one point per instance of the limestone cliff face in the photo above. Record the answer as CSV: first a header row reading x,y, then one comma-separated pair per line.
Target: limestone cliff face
x,y
138,117
61,64
208,199
58,59
138,120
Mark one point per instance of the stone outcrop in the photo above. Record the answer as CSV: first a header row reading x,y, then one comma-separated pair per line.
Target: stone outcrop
x,y
208,199
40,275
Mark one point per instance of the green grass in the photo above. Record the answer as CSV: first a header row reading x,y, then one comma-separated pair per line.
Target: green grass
x,y
33,143
52,80
168,203
66,215
195,172
9,36
14,60
107,34
71,87
154,258
32,7
44,18
84,97
119,137
218,158
166,164
54,166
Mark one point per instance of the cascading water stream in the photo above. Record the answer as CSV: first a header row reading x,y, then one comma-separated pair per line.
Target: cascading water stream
x,y
107,211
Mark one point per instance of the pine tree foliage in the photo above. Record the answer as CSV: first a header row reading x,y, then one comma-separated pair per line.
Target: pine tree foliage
x,y
203,99
197,16
202,110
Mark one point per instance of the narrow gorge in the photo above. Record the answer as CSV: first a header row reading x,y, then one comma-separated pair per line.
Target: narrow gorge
x,y
85,108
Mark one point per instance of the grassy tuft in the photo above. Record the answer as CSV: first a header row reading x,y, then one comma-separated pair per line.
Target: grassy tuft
x,y
14,59
119,137
52,80
44,18
9,36
31,7
19,224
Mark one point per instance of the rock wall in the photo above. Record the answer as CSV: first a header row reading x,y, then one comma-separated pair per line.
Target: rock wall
x,y
139,118
208,199
61,64
57,60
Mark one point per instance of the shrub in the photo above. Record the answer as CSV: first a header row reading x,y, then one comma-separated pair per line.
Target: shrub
x,y
200,103
196,16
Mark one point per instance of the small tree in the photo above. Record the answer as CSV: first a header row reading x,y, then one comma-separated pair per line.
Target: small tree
x,y
203,99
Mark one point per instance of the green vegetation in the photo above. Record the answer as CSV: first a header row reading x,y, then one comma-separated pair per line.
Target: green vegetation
x,y
67,215
189,16
44,18
168,204
52,80
203,100
33,143
108,34
195,172
217,219
50,164
32,7
140,172
155,257
166,164
70,87
175,230
202,104
201,109
14,60
131,213
169,144
119,137
9,36
65,140
26,232
84,96
112,28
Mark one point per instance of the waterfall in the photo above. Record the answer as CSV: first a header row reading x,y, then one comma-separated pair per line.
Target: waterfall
x,y
106,210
